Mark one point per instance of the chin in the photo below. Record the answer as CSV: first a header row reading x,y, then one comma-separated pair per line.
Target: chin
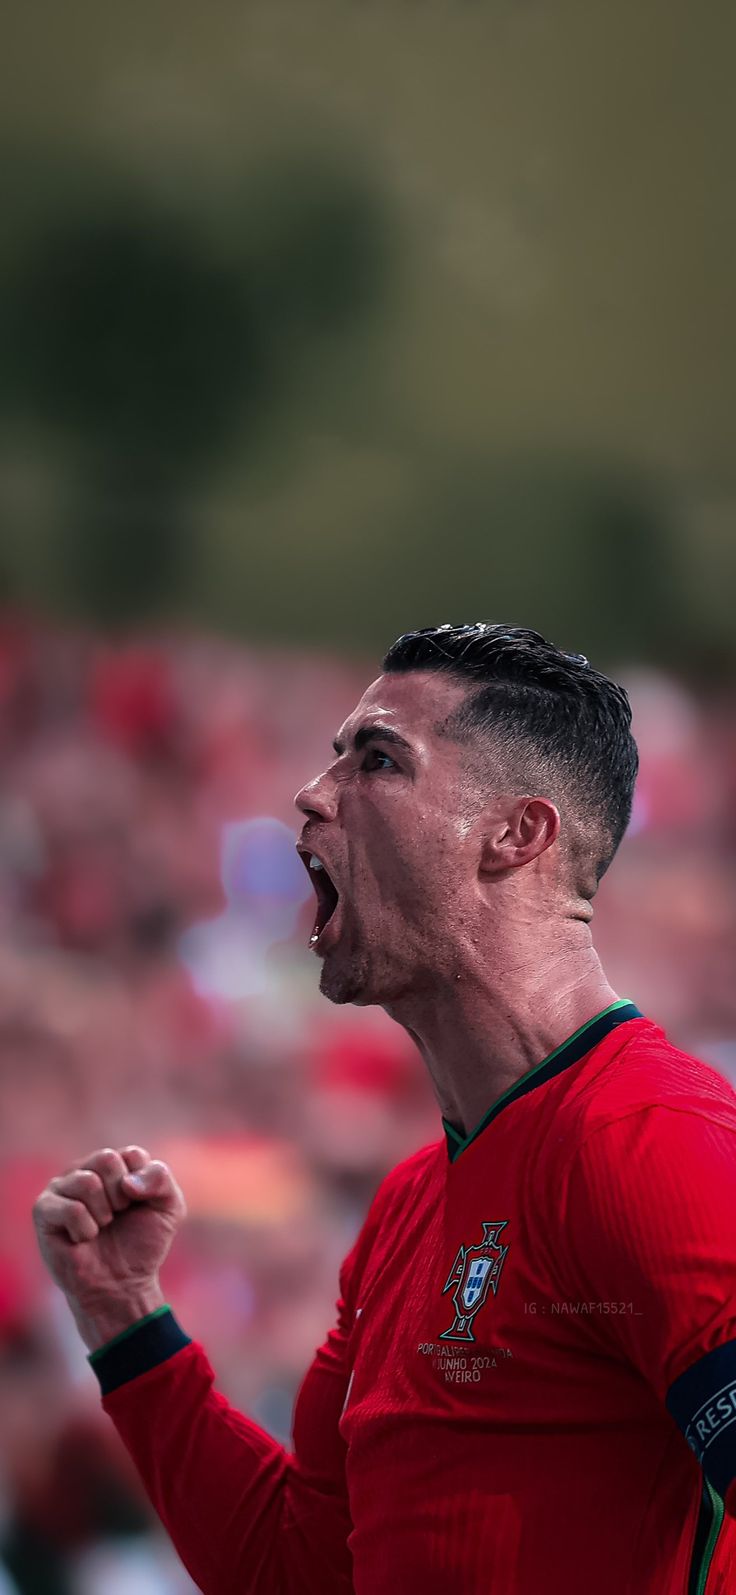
x,y
344,984
356,981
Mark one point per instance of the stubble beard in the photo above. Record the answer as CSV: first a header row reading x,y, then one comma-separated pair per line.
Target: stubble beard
x,y
346,971
364,976
346,980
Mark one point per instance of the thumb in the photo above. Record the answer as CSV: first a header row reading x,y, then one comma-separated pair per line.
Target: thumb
x,y
136,1183
154,1183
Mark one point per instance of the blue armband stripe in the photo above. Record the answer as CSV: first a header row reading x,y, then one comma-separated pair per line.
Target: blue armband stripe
x,y
703,1403
141,1348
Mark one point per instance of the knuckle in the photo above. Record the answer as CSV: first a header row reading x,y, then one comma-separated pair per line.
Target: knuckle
x,y
87,1181
90,1179
84,1219
79,1182
107,1157
106,1162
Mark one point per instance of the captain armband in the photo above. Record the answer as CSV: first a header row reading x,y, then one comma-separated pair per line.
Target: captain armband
x,y
703,1404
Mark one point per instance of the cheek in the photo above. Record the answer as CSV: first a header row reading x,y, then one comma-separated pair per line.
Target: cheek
x,y
404,859
416,877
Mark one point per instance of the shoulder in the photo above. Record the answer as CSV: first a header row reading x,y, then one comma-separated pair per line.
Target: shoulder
x,y
645,1072
397,1191
402,1183
640,1107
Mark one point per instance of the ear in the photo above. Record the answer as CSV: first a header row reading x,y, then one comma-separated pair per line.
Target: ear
x,y
528,826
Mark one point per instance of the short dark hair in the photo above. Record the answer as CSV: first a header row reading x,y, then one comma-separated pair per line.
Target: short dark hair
x,y
543,716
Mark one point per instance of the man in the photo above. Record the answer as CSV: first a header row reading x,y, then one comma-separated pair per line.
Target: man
x,y
531,1386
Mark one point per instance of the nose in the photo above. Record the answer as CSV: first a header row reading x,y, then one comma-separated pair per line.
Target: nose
x,y
317,797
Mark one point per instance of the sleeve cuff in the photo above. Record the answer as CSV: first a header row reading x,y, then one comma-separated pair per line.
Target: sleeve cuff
x,y
142,1347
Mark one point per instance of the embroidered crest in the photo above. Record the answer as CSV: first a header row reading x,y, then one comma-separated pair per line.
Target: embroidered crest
x,y
475,1271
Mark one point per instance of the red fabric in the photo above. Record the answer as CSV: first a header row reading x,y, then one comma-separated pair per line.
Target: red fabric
x,y
538,1456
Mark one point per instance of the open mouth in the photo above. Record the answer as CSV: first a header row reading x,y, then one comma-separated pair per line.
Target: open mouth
x,y
326,893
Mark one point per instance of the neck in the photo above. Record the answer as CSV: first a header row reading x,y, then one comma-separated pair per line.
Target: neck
x,y
484,1024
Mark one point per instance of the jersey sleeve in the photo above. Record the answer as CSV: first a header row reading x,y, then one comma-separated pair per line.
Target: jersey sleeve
x,y
649,1219
244,1514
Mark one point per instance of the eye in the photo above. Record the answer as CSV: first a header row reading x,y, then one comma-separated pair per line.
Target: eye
x,y
375,753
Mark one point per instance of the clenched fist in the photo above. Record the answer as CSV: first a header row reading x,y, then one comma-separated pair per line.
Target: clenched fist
x,y
103,1237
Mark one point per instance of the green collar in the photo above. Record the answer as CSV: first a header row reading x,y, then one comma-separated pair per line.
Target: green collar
x,y
576,1046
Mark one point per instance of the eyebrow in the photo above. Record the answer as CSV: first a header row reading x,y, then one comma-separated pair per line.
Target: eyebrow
x,y
373,733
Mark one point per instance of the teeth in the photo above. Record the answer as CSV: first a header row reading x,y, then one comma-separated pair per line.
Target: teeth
x,y
314,862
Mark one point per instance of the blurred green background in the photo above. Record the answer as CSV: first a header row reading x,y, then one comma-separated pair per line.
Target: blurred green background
x,y
324,318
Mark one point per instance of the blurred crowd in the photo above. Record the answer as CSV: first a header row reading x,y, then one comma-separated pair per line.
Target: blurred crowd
x,y
156,988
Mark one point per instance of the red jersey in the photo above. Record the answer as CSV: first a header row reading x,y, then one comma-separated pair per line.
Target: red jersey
x,y
531,1387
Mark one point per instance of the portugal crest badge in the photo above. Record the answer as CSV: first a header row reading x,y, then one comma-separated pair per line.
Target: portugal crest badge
x,y
475,1271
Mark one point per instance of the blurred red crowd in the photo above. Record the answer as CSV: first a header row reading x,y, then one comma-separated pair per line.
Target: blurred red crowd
x,y
122,763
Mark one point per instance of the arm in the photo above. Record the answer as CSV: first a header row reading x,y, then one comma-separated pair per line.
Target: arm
x,y
649,1212
244,1515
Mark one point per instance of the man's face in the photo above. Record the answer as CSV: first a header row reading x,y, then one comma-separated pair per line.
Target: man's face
x,y
390,823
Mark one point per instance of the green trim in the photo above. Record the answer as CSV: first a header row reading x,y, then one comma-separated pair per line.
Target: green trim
x,y
718,1509
520,1086
450,1130
100,1352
